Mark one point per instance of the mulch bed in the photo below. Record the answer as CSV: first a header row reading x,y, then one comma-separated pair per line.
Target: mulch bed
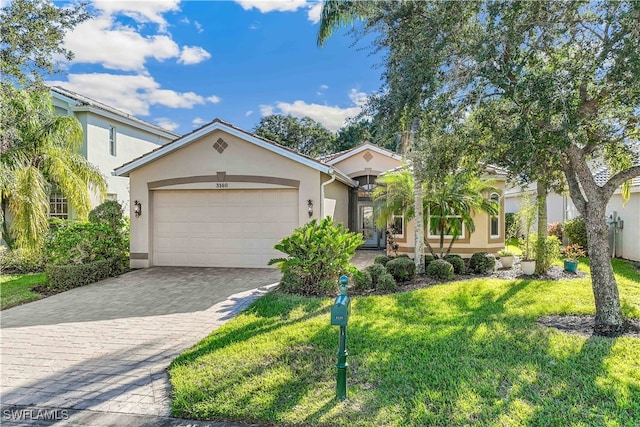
x,y
583,325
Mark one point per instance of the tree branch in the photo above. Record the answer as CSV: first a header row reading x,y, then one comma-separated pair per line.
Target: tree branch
x,y
616,181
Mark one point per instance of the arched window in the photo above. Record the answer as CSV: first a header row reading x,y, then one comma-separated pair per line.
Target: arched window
x,y
494,226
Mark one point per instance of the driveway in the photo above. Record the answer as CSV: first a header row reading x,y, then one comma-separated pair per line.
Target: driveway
x,y
106,346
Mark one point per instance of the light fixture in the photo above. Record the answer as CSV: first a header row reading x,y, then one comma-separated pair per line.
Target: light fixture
x,y
310,205
137,208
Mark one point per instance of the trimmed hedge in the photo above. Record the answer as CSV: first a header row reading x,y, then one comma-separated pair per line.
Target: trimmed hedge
x,y
386,282
376,271
402,269
21,261
428,259
482,263
457,262
382,259
363,280
441,269
64,277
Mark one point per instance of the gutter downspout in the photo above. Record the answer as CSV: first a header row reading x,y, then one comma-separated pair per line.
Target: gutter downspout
x,y
332,173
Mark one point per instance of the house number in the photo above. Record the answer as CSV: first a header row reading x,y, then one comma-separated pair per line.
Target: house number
x,y
222,185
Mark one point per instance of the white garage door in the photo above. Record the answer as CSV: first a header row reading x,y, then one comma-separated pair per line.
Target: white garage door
x,y
224,228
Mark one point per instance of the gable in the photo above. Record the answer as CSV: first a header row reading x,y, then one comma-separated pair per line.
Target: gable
x,y
366,159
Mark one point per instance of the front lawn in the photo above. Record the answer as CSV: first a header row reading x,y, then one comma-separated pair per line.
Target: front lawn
x,y
15,289
460,353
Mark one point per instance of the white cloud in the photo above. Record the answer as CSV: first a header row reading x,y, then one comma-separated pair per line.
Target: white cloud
x,y
140,10
315,12
193,55
133,94
324,87
198,121
214,99
103,41
265,6
198,26
248,113
332,117
167,123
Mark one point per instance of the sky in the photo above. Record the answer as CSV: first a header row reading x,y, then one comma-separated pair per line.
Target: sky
x,y
181,64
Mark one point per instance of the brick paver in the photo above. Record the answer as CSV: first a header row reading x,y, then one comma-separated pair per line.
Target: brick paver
x,y
106,346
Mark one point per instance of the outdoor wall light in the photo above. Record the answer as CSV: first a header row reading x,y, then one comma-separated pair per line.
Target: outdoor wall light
x,y
137,208
310,205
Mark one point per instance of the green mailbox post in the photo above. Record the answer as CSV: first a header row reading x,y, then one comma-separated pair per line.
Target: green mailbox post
x,y
340,317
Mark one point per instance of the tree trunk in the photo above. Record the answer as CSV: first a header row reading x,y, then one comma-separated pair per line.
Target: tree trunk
x,y
419,222
609,318
6,234
541,205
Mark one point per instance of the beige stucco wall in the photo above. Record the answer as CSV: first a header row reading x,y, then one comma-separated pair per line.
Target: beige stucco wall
x,y
478,241
357,165
336,197
200,158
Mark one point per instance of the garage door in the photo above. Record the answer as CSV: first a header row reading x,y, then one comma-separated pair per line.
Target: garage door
x,y
224,228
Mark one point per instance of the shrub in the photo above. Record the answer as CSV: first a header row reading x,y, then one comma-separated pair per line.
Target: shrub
x,y
362,280
551,249
402,269
318,252
441,269
108,212
573,252
291,281
62,277
481,263
427,260
376,271
576,231
21,261
555,229
381,259
510,225
386,283
457,262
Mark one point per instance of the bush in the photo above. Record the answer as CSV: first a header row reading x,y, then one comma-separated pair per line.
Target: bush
x,y
576,231
427,260
481,263
510,225
382,259
362,280
291,281
108,212
386,283
441,269
457,262
555,229
552,249
21,261
402,269
63,277
318,252
376,271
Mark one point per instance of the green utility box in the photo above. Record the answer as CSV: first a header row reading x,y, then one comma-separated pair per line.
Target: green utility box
x,y
340,311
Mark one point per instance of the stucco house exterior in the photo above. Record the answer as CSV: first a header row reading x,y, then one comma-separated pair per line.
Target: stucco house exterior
x,y
223,197
111,138
560,208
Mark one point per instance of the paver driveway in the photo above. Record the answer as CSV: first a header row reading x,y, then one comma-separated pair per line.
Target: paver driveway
x,y
106,346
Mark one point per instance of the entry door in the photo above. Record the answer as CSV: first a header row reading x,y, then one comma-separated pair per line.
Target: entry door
x,y
367,224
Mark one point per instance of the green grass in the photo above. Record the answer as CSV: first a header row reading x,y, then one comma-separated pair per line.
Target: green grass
x,y
455,354
15,289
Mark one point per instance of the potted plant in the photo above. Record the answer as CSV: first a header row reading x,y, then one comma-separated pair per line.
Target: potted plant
x,y
572,253
506,258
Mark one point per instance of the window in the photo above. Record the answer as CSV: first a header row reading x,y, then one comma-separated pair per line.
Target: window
x,y
112,140
397,225
58,206
112,196
495,220
452,224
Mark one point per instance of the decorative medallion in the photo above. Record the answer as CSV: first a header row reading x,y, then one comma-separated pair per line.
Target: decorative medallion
x,y
220,145
367,156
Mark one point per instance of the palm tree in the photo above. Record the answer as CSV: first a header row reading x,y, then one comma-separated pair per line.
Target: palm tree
x,y
452,202
42,155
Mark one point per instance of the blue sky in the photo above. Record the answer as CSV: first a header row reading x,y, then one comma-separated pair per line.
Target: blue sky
x,y
181,64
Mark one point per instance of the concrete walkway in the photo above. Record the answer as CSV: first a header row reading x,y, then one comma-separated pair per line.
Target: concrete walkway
x,y
105,347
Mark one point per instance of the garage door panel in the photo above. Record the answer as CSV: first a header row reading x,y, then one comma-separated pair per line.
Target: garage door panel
x,y
230,228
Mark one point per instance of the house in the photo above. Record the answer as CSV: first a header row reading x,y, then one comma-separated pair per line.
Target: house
x,y
624,241
223,197
111,138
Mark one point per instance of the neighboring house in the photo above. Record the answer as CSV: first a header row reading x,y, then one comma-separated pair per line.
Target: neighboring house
x,y
111,138
560,208
223,197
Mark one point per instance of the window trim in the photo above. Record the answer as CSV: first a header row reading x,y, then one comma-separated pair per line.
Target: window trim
x,y
393,221
113,141
462,235
56,198
494,217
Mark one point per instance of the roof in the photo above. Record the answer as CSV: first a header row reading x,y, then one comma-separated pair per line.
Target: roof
x,y
81,102
489,169
219,124
332,159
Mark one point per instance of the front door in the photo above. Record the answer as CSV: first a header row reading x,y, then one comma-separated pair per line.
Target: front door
x,y
367,224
